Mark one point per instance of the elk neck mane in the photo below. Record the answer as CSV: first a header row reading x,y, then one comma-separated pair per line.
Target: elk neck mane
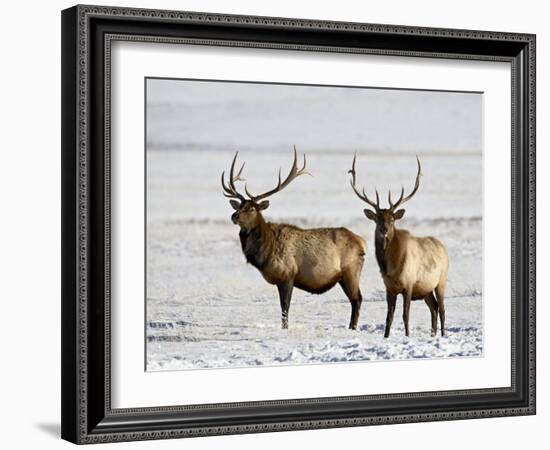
x,y
391,251
257,243
380,255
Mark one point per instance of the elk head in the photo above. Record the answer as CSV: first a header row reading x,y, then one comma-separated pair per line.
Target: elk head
x,y
247,210
384,218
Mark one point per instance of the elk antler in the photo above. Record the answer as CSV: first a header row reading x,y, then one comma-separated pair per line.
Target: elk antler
x,y
362,195
231,191
408,197
294,173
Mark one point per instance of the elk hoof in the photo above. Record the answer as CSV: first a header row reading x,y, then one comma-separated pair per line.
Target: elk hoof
x,y
432,333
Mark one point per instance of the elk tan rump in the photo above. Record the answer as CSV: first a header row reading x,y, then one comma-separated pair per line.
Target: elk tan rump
x,y
420,262
315,258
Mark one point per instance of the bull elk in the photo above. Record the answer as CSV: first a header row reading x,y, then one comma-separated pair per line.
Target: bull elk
x,y
415,267
287,256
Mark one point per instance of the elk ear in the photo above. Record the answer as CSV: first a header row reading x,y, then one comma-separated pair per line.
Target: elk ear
x,y
235,204
370,214
398,214
263,205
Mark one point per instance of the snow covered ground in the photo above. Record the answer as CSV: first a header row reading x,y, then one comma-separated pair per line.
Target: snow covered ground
x,y
206,308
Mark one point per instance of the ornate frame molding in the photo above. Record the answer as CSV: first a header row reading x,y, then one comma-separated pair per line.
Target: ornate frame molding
x,y
83,421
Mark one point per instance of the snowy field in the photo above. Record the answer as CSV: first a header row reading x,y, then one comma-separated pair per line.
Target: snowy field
x,y
206,308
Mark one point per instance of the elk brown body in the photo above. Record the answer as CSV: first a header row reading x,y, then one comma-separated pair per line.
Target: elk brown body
x,y
415,267
287,256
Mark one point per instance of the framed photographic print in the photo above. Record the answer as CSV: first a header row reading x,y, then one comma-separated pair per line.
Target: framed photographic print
x,y
279,224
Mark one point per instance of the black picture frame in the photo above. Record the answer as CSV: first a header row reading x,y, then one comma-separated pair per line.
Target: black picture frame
x,y
87,415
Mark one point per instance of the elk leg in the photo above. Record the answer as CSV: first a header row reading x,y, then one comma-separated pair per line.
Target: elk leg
x,y
357,303
406,310
350,285
432,304
285,294
390,299
440,294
